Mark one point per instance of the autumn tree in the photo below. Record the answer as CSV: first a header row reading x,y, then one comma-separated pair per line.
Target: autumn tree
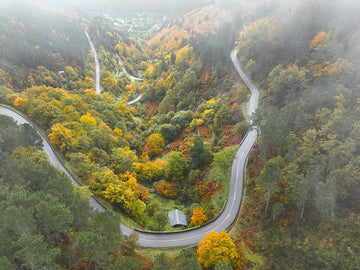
x,y
62,138
166,189
154,144
122,159
319,40
124,191
216,247
149,171
198,217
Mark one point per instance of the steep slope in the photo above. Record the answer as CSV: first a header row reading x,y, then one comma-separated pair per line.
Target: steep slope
x,y
198,21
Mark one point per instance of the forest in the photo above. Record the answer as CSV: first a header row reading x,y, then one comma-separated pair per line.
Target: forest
x,y
174,148
303,184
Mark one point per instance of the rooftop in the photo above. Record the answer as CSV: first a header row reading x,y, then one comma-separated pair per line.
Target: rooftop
x,y
177,218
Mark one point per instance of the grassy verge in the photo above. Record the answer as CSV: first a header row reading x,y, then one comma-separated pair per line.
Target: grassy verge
x,y
245,230
218,181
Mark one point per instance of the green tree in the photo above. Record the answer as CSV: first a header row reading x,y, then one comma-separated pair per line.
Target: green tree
x,y
129,244
161,262
177,166
187,260
223,265
52,216
169,132
82,164
92,248
4,92
161,219
33,252
5,264
153,207
121,160
126,263
197,152
270,176
107,225
286,84
277,210
222,115
225,157
251,67
325,200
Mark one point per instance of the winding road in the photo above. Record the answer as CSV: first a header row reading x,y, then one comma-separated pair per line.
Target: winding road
x,y
97,72
195,235
97,66
53,158
138,98
127,73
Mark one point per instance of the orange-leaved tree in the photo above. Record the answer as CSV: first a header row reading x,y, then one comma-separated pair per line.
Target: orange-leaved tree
x,y
319,40
166,189
217,247
198,217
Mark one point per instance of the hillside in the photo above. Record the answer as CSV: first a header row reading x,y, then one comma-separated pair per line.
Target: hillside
x,y
197,21
173,149
303,188
30,38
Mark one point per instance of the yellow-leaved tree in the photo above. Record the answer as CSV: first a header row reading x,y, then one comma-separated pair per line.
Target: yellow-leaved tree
x,y
198,217
123,191
217,247
154,144
62,138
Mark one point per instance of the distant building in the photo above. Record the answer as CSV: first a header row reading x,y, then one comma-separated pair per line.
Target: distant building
x,y
177,218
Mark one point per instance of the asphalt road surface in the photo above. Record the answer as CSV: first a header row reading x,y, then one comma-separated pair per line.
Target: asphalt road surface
x,y
231,209
97,66
53,158
135,100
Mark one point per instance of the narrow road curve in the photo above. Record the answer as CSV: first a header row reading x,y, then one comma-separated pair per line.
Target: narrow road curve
x,y
53,158
253,103
97,66
138,98
135,100
97,72
127,73
230,212
191,236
